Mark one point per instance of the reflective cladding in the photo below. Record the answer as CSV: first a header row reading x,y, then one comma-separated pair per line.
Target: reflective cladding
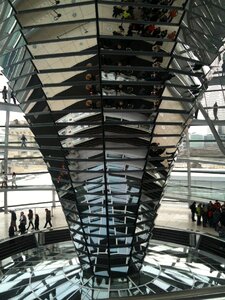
x,y
54,273
108,91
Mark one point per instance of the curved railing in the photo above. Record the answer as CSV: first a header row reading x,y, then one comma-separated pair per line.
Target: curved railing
x,y
198,241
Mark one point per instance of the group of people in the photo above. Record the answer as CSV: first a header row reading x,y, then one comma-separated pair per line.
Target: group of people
x,y
211,214
5,180
5,95
152,14
115,87
25,222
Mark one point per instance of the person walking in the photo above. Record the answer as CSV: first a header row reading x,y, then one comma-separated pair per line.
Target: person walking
x,y
5,94
14,180
13,219
13,98
36,222
48,218
30,218
23,141
215,111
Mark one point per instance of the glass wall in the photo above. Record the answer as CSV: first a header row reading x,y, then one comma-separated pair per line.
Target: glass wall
x,y
198,174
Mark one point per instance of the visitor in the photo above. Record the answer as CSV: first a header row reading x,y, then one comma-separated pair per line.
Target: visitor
x,y
13,219
204,215
117,11
199,213
193,210
210,215
155,150
30,218
171,15
11,231
13,98
172,35
23,141
221,230
216,218
215,111
36,222
5,94
4,180
14,180
48,218
23,222
217,205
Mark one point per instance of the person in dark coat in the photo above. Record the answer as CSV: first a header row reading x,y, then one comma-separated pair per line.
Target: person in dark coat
x,y
215,111
23,141
193,211
155,150
5,94
23,222
48,218
13,219
36,222
11,231
30,218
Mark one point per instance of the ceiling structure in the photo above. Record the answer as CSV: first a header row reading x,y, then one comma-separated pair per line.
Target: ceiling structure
x,y
108,89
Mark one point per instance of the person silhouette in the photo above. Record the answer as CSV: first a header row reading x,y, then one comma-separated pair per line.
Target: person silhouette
x,y
215,111
23,141
5,94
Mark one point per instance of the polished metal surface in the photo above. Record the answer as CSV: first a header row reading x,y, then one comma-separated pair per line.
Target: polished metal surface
x,y
109,89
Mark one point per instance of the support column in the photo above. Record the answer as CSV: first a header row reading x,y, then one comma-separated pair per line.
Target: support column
x,y
53,197
6,157
188,167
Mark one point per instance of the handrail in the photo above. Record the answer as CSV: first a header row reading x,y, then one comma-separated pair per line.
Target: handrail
x,y
214,292
181,237
38,239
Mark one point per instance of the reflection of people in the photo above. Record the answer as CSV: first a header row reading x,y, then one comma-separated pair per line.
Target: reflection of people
x,y
172,35
89,76
155,150
23,141
196,113
215,111
5,94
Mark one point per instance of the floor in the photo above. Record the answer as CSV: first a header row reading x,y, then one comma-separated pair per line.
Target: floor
x,y
173,215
